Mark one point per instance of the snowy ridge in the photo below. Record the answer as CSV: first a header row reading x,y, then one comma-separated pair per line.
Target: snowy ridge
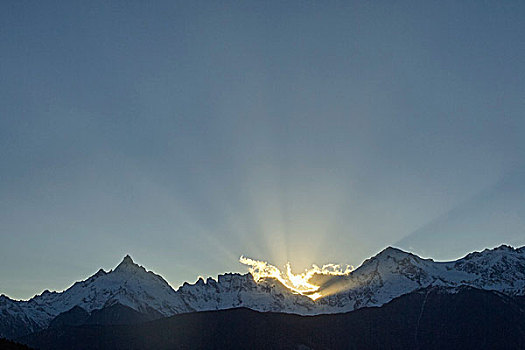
x,y
129,284
389,274
236,290
394,272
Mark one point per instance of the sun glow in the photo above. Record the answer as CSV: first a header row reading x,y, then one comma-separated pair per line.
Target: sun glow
x,y
297,283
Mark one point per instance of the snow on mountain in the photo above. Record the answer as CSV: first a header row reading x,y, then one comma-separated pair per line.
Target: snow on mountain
x,y
129,284
389,274
394,272
236,290
501,269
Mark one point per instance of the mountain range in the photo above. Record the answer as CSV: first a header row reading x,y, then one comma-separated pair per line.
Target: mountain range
x,y
429,318
130,294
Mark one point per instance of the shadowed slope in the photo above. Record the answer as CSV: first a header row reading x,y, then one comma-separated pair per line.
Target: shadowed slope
x,y
432,318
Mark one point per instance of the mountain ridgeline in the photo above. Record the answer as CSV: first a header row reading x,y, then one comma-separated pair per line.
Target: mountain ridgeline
x,y
131,298
430,318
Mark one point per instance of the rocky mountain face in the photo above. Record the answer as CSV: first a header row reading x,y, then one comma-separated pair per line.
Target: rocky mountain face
x,y
131,290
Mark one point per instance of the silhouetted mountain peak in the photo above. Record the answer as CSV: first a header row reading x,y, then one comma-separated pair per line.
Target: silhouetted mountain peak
x,y
127,261
128,265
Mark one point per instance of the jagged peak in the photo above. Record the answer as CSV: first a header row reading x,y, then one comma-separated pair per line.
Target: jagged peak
x,y
127,260
505,247
128,264
100,272
502,249
221,279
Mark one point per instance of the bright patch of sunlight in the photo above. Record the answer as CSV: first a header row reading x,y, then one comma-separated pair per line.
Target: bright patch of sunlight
x,y
298,283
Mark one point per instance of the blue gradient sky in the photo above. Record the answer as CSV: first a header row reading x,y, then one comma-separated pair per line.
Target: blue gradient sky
x,y
189,133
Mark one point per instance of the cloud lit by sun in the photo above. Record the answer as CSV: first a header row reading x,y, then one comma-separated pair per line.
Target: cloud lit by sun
x,y
300,283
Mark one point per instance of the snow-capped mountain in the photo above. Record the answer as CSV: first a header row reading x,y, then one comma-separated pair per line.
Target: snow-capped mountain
x,y
394,272
236,290
129,284
388,275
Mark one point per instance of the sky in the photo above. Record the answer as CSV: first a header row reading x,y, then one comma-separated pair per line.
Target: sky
x,y
187,134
